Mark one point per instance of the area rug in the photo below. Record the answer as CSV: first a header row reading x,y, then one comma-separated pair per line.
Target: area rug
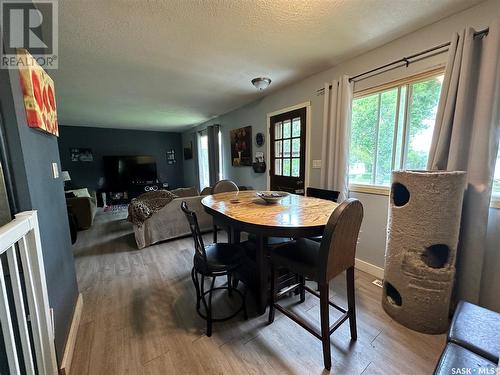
x,y
116,207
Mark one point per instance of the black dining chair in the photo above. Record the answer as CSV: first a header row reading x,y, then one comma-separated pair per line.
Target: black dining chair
x,y
321,262
218,259
330,195
223,186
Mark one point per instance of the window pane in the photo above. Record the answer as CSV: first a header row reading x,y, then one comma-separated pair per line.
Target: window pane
x,y
286,167
388,103
296,127
296,147
295,167
286,129
496,177
401,122
277,130
277,167
203,161
362,150
424,100
278,148
221,164
286,148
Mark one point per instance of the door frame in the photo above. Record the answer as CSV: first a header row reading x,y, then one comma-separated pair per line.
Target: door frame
x,y
307,106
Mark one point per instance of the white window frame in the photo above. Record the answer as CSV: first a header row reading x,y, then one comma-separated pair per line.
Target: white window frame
x,y
381,189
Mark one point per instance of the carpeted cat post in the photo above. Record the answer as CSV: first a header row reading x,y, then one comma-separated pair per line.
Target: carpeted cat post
x,y
423,228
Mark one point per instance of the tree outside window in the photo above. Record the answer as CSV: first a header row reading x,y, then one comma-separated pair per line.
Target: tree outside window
x,y
392,129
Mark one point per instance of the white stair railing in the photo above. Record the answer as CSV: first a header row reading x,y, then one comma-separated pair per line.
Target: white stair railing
x,y
22,236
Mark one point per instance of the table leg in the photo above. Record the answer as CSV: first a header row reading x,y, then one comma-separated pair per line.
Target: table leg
x,y
262,275
235,235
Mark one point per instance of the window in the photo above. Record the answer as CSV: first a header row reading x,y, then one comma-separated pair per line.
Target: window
x,y
203,163
204,166
221,164
495,197
392,129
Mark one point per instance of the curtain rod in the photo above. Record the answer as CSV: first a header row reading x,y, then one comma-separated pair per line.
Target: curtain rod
x,y
406,60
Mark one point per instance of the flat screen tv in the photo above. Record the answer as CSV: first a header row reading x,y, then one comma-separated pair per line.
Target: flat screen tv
x,y
121,171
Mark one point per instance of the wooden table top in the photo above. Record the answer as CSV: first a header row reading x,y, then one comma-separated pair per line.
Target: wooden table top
x,y
294,211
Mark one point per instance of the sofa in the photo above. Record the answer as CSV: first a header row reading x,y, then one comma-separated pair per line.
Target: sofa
x,y
169,222
82,204
473,342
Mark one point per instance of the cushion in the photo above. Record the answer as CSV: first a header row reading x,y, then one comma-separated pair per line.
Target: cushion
x,y
80,193
472,327
186,192
458,360
220,257
301,256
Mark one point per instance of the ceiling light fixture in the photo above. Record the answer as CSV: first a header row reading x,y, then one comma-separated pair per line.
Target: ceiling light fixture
x,y
261,83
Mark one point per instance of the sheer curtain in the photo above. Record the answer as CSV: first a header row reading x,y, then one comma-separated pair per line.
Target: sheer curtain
x,y
336,136
466,138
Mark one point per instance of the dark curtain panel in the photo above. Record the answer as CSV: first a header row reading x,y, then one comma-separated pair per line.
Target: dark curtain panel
x,y
213,153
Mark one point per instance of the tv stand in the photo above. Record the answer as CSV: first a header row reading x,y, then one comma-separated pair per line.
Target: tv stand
x,y
124,195
136,189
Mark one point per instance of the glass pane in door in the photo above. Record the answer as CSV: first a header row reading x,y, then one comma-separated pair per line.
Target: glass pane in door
x,y
277,130
295,167
296,127
296,147
286,129
277,167
277,148
286,148
286,167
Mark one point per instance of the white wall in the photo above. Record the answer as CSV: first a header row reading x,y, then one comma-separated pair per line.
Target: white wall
x,y
372,242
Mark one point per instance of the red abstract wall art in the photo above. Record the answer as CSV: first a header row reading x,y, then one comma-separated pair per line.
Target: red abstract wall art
x,y
38,93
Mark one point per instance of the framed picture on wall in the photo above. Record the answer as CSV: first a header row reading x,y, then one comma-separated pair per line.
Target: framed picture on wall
x,y
81,154
241,146
171,157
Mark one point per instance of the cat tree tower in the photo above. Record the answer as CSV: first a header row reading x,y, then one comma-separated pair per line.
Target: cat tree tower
x,y
423,229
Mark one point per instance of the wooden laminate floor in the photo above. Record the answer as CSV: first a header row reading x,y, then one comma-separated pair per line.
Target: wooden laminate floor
x,y
139,318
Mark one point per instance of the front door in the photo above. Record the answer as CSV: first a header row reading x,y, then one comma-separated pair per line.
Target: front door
x,y
288,150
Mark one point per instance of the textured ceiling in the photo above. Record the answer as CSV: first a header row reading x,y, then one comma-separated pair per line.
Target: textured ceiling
x,y
166,65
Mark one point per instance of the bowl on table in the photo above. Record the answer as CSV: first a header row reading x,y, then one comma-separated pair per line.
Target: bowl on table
x,y
272,196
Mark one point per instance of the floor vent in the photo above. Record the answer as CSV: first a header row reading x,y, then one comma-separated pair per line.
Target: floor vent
x,y
377,282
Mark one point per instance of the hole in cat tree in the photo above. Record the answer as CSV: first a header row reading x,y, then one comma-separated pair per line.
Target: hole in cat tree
x,y
392,294
400,194
436,256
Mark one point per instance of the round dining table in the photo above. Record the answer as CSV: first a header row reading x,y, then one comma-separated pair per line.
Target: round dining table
x,y
294,216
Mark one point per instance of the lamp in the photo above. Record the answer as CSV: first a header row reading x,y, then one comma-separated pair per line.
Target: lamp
x,y
65,175
261,83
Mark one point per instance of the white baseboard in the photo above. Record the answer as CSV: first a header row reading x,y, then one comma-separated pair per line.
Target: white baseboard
x,y
369,268
71,341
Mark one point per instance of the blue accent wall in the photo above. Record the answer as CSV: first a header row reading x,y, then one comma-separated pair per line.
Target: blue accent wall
x,y
118,142
31,155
